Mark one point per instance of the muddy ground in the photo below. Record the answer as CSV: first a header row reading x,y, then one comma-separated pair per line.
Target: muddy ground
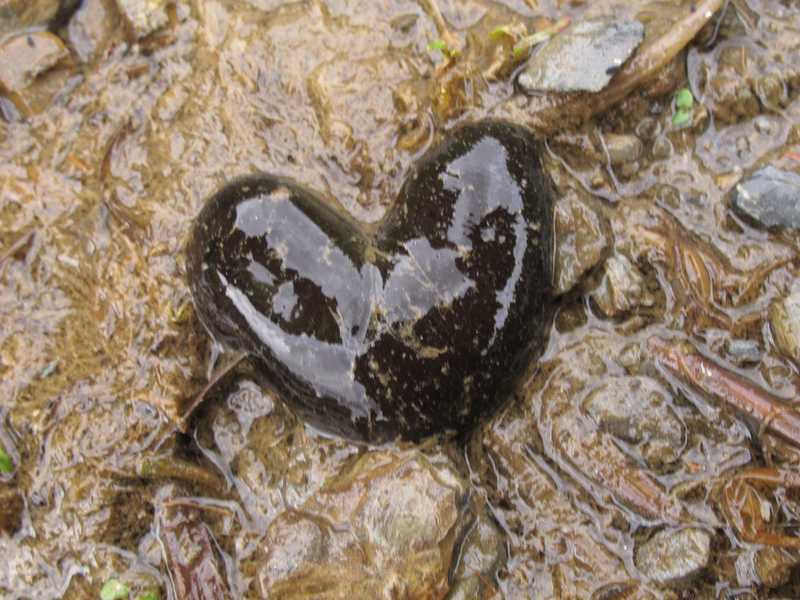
x,y
652,452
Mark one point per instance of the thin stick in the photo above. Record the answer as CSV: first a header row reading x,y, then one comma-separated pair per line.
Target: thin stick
x,y
183,421
728,387
15,246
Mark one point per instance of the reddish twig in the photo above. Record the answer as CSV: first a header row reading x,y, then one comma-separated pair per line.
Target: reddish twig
x,y
728,387
194,568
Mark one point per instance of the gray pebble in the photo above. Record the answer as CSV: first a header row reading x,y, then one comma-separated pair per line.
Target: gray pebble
x,y
743,351
584,57
637,410
770,198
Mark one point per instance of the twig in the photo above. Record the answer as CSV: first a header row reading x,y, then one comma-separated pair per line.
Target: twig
x,y
117,138
15,247
728,387
172,467
183,421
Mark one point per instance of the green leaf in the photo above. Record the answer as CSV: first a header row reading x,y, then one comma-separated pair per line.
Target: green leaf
x,y
6,464
684,100
437,45
149,595
114,589
681,118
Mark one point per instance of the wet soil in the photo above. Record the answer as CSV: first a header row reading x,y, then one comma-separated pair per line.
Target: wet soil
x,y
615,470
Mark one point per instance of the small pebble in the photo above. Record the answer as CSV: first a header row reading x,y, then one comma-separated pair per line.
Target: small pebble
x,y
622,148
647,128
674,556
784,320
662,148
743,352
584,57
25,56
90,29
769,198
628,170
637,410
766,565
582,241
763,125
621,289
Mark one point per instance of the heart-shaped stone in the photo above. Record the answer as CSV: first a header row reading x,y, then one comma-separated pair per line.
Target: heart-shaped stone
x,y
421,328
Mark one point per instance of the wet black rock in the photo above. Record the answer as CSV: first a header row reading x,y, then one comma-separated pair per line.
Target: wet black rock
x,y
584,57
770,198
421,328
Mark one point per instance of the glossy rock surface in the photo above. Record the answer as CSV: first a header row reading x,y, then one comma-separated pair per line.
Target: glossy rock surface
x,y
418,329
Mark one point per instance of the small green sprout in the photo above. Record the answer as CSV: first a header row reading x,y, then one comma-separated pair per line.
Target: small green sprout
x,y
437,45
6,464
114,589
440,45
149,595
681,118
684,100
